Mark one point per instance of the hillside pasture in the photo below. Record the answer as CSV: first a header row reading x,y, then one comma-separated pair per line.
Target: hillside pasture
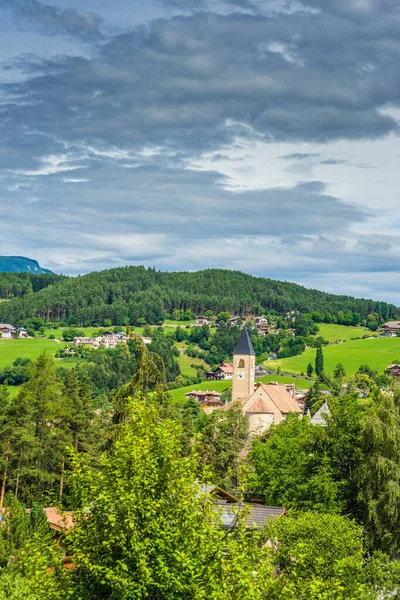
x,y
344,333
25,348
13,390
377,353
186,362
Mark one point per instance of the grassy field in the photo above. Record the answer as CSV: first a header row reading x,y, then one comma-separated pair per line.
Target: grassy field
x,y
377,353
13,390
332,332
171,323
30,348
220,386
185,363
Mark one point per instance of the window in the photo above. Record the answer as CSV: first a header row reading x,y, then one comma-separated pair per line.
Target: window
x,y
241,364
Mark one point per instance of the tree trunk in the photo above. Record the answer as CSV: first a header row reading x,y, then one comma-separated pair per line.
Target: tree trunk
x,y
62,480
3,486
18,473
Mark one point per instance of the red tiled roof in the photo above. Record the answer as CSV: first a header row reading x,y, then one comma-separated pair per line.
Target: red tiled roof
x,y
281,398
241,401
59,520
226,368
259,405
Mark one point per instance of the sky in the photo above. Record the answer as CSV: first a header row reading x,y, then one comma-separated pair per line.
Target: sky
x,y
254,135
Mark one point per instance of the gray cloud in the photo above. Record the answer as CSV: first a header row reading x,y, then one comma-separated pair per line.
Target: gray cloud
x,y
94,151
357,9
55,21
198,82
299,156
334,161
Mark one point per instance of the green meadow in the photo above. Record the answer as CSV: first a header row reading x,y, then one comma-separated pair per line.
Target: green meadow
x,y
13,390
186,362
332,332
221,386
25,348
377,353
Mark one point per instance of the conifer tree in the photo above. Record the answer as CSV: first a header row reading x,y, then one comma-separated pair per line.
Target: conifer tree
x,y
310,370
319,363
339,372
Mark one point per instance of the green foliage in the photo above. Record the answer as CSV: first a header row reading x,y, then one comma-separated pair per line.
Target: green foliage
x,y
313,398
343,432
292,467
316,557
310,370
223,437
144,530
17,373
69,334
38,425
139,293
339,372
34,571
379,475
319,362
163,346
18,285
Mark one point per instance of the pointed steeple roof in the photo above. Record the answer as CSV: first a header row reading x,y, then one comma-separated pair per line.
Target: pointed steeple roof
x,y
244,345
320,416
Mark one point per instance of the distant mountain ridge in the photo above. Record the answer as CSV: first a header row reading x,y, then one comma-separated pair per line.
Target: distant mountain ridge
x,y
21,264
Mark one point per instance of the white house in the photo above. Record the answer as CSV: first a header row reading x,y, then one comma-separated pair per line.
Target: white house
x,y
6,330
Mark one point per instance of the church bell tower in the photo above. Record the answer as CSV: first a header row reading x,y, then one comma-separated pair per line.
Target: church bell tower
x,y
243,367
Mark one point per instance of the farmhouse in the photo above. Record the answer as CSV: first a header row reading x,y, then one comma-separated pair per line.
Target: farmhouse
x,y
8,331
107,340
223,372
236,321
394,371
391,327
209,401
200,320
263,327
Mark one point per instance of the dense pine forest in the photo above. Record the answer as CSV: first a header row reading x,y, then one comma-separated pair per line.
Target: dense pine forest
x,y
16,285
127,294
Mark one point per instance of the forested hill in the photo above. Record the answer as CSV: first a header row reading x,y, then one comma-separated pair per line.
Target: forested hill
x,y
20,264
137,292
15,285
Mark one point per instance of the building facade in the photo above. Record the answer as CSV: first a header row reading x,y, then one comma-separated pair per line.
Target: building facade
x,y
243,367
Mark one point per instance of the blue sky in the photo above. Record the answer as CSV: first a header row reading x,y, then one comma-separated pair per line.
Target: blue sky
x,y
254,135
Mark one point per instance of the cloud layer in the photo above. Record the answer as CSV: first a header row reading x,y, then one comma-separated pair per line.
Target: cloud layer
x,y
109,145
